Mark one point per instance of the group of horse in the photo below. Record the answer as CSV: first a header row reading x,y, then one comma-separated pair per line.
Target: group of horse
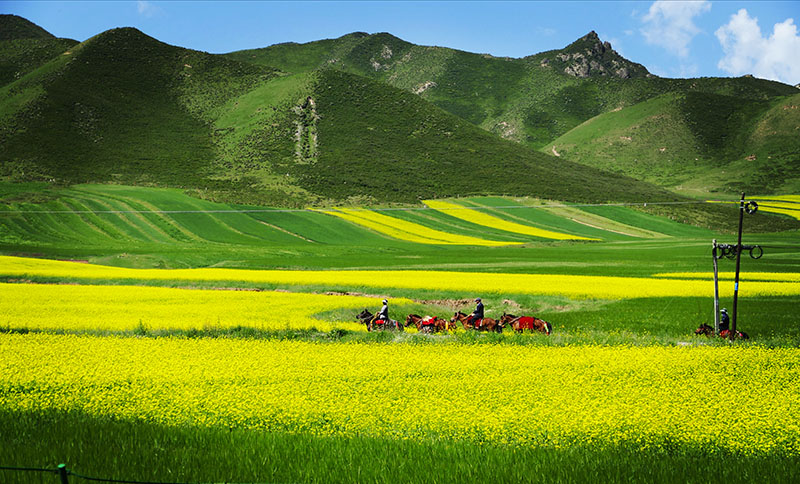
x,y
435,324
707,330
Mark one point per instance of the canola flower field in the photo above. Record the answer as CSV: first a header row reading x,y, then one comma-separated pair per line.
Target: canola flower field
x,y
480,218
646,397
574,286
410,231
786,205
99,347
126,308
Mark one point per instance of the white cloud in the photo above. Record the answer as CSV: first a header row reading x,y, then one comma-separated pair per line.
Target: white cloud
x,y
747,51
147,9
671,25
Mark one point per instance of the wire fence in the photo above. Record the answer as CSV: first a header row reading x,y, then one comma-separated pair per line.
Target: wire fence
x,y
63,474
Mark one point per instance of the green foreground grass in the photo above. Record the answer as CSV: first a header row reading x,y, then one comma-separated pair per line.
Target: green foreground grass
x,y
129,450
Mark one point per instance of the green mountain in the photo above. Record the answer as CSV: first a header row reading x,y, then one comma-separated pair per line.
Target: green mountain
x,y
696,143
538,99
15,27
24,46
532,100
336,121
122,107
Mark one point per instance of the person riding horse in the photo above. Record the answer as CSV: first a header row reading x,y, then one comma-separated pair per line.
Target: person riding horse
x,y
725,320
477,315
383,314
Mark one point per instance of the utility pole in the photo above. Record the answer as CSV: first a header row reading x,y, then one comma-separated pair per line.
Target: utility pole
x,y
738,263
716,288
730,251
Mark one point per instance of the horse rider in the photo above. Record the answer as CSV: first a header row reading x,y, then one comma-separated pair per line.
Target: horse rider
x,y
724,320
383,314
477,315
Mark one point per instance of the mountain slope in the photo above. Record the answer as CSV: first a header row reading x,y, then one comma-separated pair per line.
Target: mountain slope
x,y
119,107
532,100
125,108
385,143
13,27
24,46
696,143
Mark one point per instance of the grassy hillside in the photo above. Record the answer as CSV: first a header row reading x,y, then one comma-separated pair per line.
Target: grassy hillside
x,y
125,108
14,27
120,107
24,46
382,143
697,143
531,100
540,98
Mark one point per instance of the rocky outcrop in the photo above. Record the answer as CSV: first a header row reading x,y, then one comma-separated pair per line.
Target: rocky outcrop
x,y
589,56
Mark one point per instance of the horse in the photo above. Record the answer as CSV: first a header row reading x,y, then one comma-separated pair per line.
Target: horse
x,y
364,317
725,333
428,324
485,324
367,318
521,323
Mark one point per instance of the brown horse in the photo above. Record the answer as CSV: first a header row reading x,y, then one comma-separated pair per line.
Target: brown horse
x,y
485,324
373,323
725,333
429,324
531,323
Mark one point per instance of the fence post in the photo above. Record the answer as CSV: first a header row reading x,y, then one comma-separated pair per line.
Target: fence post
x,y
62,473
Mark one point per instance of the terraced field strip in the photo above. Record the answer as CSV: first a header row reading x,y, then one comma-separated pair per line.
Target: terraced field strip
x,y
409,231
648,397
632,217
749,276
126,308
441,221
607,222
786,205
469,283
481,218
204,224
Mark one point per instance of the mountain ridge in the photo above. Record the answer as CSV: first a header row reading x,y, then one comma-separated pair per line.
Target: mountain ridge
x,y
123,107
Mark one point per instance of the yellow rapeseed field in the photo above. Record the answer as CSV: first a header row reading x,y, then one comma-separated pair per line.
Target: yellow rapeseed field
x,y
124,308
410,231
749,276
790,208
480,218
740,399
468,283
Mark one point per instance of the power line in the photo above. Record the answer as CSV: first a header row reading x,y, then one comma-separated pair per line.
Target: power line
x,y
387,209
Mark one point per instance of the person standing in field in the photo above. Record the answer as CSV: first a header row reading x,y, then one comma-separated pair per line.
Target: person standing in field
x,y
477,314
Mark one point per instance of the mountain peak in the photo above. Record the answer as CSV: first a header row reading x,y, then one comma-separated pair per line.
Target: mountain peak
x,y
591,57
13,27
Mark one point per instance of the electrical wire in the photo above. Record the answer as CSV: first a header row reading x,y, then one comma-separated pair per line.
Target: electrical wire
x,y
388,209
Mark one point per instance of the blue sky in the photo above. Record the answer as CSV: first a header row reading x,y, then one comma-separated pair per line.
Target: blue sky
x,y
670,38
